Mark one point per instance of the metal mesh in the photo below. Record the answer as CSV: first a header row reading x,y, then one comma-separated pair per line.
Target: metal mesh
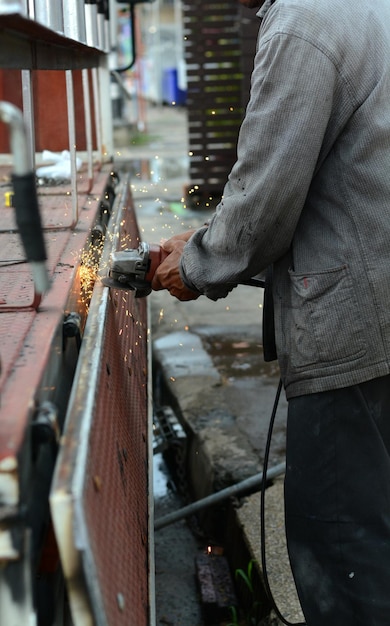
x,y
116,480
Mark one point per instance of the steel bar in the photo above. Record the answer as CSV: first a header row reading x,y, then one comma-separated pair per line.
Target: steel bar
x,y
26,203
98,115
91,23
50,14
28,113
74,20
72,144
88,126
253,482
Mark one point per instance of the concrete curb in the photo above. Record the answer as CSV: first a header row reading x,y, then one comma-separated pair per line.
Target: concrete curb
x,y
219,454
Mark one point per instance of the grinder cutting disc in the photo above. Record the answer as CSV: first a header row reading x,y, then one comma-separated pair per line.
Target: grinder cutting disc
x,y
142,289
128,270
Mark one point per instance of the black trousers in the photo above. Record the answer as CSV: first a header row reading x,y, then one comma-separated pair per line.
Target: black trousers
x,y
337,503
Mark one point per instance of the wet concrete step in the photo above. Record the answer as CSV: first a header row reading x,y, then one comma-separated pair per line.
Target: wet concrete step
x,y
224,395
247,529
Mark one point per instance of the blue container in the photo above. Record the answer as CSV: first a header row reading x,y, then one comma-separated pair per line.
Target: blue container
x,y
171,94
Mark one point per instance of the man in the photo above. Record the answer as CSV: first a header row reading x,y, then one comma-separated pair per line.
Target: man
x,y
310,195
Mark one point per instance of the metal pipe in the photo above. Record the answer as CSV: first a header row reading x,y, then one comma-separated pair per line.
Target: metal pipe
x,y
133,59
101,18
107,33
123,87
72,144
14,118
91,27
245,485
31,9
97,108
74,20
88,126
28,113
50,14
28,218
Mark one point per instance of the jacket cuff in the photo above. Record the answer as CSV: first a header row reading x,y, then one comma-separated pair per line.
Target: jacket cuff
x,y
187,282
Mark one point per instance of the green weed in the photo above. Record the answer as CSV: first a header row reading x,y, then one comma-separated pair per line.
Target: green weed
x,y
253,615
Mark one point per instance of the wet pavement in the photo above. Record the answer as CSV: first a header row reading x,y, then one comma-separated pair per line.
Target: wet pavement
x,y
209,368
177,598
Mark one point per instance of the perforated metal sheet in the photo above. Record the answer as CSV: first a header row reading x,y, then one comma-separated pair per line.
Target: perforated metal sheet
x,y
116,479
103,470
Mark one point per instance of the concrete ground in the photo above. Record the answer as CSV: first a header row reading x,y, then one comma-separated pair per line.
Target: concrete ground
x,y
208,357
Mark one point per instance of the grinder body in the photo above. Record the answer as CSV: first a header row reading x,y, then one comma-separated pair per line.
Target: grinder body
x,y
133,269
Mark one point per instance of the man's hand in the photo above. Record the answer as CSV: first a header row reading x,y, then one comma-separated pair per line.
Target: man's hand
x,y
167,275
181,236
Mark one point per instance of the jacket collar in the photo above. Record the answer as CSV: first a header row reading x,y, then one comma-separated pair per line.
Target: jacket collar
x,y
261,13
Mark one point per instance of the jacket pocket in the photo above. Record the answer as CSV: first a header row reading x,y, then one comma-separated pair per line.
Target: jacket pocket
x,y
326,325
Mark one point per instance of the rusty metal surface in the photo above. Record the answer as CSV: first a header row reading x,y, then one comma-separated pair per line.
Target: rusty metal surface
x,y
38,360
25,44
32,340
102,476
116,477
55,201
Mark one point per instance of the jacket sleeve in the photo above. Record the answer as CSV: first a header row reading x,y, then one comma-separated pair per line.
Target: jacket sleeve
x,y
292,93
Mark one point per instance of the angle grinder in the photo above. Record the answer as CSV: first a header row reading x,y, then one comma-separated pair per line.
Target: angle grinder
x,y
133,269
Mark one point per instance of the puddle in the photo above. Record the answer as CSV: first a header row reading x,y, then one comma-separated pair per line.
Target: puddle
x,y
177,598
240,359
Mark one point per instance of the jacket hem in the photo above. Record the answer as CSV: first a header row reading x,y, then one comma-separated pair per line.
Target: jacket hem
x,y
334,381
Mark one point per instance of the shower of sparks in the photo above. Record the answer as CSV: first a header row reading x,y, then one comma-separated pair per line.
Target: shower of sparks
x,y
88,271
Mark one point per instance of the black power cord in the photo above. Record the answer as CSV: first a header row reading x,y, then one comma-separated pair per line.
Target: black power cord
x,y
262,514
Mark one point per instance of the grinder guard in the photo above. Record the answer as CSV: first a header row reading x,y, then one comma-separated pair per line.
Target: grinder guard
x,y
133,269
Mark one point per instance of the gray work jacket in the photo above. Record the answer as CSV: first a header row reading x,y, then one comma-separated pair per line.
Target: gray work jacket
x,y
310,192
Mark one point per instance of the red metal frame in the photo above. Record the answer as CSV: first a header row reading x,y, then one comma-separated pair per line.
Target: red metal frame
x,y
102,476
